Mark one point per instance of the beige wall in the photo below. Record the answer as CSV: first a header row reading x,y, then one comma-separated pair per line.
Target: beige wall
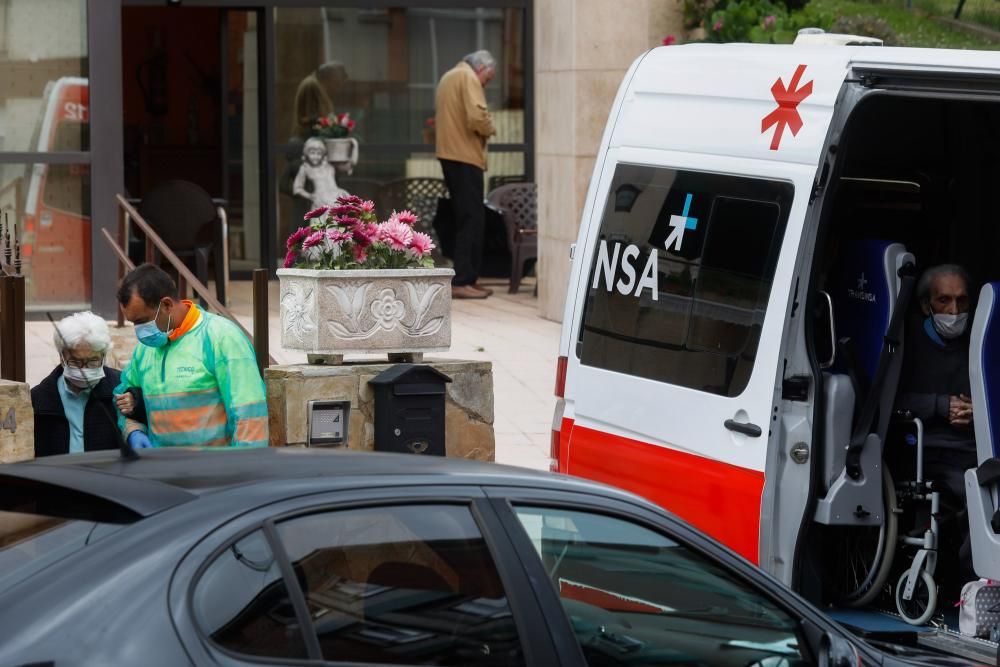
x,y
582,50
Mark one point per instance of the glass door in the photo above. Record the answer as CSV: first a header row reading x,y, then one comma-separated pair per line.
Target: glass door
x,y
191,112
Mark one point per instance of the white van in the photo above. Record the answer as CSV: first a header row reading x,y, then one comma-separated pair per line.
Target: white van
x,y
750,206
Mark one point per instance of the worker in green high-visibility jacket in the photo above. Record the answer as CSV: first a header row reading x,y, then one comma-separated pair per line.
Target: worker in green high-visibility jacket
x,y
197,371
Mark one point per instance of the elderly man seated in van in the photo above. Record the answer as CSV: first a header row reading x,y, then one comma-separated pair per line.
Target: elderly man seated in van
x,y
934,386
74,406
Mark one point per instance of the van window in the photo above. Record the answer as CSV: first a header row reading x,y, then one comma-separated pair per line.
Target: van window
x,y
681,276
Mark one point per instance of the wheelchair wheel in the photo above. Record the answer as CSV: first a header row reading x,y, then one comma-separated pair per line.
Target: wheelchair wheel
x,y
919,609
860,557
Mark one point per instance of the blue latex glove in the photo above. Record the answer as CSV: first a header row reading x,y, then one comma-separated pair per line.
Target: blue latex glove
x,y
139,440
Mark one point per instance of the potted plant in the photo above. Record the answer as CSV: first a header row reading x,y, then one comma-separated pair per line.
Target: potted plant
x,y
352,284
335,131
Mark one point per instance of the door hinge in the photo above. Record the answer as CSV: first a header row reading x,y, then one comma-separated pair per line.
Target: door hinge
x,y
795,388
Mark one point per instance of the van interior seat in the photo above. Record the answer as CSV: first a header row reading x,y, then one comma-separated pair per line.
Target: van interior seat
x,y
981,484
863,288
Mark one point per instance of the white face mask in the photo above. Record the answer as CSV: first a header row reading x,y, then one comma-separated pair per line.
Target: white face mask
x,y
83,377
950,326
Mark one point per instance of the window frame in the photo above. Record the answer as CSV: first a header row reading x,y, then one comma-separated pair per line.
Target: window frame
x,y
528,618
505,501
608,200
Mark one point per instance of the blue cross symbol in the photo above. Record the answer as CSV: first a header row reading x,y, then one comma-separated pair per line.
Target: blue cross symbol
x,y
680,223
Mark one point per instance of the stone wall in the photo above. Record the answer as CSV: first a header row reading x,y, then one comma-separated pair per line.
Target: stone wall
x,y
582,50
468,403
17,422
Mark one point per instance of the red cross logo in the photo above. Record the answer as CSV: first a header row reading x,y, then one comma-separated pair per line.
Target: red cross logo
x,y
786,113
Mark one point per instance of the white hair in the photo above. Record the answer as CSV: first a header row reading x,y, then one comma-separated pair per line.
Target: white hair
x,y
483,58
931,275
82,328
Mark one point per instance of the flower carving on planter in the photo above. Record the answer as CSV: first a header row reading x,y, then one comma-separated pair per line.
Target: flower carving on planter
x,y
350,298
298,304
387,309
421,298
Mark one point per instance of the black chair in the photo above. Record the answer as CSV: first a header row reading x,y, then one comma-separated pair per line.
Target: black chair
x,y
496,181
518,203
185,217
419,195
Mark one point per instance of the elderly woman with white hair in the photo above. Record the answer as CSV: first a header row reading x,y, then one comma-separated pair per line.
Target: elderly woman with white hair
x,y
74,406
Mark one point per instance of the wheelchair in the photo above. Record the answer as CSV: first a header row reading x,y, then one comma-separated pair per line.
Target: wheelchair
x,y
862,506
865,563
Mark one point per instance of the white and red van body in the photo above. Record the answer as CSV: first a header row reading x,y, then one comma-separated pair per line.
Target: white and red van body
x,y
688,372
56,242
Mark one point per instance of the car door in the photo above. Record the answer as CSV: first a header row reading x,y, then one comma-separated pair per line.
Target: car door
x,y
637,588
403,576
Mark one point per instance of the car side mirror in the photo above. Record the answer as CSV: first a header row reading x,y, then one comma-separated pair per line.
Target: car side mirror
x,y
837,651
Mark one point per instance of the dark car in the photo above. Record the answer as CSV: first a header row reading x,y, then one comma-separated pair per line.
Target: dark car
x,y
299,556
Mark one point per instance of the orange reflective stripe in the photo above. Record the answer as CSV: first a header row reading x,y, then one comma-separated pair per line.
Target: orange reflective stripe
x,y
251,429
218,442
165,422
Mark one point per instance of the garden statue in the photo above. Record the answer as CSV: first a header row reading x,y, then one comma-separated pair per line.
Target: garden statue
x,y
317,178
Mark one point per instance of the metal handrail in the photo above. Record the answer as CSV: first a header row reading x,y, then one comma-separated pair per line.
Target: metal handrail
x,y
126,214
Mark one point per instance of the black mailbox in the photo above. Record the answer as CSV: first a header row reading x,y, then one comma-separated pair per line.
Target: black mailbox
x,y
409,409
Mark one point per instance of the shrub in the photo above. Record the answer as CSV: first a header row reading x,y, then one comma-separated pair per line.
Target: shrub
x,y
867,26
750,21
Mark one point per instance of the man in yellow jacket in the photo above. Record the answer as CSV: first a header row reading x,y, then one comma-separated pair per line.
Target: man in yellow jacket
x,y
197,371
462,126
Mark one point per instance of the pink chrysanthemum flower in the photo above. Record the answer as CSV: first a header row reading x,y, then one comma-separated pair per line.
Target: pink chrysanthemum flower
x,y
340,211
316,212
360,256
338,235
297,236
395,234
408,218
314,239
349,200
361,237
290,259
346,221
367,206
421,244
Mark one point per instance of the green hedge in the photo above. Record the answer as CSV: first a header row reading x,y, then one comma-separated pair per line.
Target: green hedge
x,y
769,22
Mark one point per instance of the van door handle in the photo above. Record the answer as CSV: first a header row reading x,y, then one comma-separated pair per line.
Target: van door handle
x,y
746,429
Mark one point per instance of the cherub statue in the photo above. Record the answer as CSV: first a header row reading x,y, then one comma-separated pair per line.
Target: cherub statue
x,y
320,173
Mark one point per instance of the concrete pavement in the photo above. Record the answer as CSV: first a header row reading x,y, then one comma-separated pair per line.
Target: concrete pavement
x,y
504,329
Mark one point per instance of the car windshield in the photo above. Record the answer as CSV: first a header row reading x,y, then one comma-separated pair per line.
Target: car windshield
x,y
31,542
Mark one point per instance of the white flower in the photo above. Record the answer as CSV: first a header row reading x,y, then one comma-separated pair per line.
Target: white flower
x,y
387,309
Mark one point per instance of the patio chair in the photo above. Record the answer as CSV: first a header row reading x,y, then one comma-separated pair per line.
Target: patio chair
x,y
518,203
419,195
184,216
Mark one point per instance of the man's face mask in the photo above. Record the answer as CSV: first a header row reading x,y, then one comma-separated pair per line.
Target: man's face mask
x,y
150,334
950,326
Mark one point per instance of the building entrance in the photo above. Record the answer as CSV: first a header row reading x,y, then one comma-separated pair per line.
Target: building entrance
x,y
191,109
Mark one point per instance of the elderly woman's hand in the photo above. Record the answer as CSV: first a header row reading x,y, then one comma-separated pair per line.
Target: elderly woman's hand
x,y
125,402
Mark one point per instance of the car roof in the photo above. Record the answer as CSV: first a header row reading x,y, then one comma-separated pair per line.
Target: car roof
x,y
163,478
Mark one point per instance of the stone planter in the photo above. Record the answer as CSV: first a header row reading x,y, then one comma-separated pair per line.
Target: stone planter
x,y
342,150
391,311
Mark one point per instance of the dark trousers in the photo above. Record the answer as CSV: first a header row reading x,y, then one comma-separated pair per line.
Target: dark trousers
x,y
465,186
946,468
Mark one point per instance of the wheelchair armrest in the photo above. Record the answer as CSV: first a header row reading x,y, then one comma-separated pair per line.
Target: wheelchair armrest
x,y
988,473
